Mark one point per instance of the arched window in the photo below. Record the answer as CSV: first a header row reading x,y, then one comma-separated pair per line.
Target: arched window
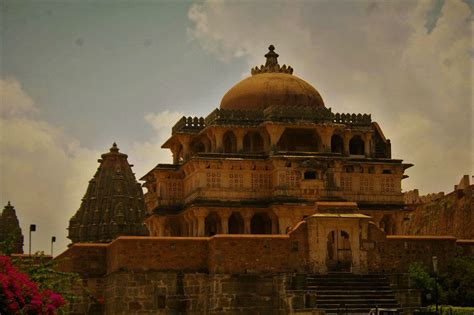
x,y
336,144
253,142
236,224
356,146
261,224
197,147
229,142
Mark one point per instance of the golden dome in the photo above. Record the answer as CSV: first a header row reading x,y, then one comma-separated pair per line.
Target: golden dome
x,y
271,85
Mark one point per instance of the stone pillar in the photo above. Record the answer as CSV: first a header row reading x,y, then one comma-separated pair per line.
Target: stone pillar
x,y
274,225
160,226
247,215
188,224
346,140
224,216
275,132
219,135
239,134
325,135
201,215
175,153
367,140
185,141
283,220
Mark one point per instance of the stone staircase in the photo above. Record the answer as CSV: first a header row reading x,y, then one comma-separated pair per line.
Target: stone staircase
x,y
346,293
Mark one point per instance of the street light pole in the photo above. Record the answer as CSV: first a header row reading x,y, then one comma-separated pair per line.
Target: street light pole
x,y
32,229
53,240
435,269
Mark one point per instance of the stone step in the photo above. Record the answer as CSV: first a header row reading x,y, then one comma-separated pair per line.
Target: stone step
x,y
355,307
356,292
353,311
347,288
355,298
352,301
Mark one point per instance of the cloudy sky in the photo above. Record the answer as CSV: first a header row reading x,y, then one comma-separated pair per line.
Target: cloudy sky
x,y
78,75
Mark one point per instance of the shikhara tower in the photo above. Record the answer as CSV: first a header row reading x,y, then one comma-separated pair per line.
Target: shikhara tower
x,y
112,205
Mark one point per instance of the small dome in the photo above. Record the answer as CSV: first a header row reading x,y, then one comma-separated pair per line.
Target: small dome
x,y
271,85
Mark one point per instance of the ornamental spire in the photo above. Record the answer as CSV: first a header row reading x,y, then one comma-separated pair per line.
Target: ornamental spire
x,y
271,65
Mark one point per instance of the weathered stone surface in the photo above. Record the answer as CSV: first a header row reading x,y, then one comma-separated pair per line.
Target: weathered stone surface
x,y
451,214
112,205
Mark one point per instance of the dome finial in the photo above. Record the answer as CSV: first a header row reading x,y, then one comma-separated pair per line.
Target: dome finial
x,y
114,148
271,65
272,57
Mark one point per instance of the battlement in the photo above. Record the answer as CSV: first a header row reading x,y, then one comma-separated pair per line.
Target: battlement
x,y
352,119
189,124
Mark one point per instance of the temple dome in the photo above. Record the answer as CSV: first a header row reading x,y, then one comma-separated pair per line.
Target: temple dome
x,y
271,84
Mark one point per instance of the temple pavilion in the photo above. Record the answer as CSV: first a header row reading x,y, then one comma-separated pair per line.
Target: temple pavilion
x,y
272,154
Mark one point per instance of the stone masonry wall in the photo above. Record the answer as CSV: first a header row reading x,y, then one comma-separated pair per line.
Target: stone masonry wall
x,y
451,215
193,293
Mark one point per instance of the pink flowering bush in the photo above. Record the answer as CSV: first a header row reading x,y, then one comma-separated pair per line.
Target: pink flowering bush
x,y
18,294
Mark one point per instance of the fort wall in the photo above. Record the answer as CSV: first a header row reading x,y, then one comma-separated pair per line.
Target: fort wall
x,y
452,214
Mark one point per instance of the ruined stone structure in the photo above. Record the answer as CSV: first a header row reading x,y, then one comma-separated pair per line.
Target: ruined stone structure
x,y
10,230
440,214
112,205
273,205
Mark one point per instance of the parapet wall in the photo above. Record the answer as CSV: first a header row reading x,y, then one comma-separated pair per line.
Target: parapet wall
x,y
248,254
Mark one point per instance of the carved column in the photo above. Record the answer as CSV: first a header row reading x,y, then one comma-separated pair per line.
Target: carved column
x,y
274,225
325,135
188,224
224,215
201,215
283,220
247,215
185,141
239,134
367,140
175,152
275,132
160,226
219,135
346,140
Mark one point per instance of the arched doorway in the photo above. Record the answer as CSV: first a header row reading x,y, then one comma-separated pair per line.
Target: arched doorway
x,y
253,142
261,224
339,254
229,142
337,145
236,224
356,146
212,224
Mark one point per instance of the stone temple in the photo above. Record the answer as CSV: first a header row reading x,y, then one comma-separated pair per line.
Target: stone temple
x,y
274,204
112,205
10,230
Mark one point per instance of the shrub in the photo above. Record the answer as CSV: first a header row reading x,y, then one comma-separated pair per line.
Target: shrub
x,y
18,294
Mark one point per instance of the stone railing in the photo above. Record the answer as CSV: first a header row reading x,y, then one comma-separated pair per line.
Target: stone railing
x,y
189,124
352,119
227,116
277,113
285,113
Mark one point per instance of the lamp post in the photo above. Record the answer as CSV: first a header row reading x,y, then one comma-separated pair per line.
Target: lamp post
x,y
435,269
32,229
53,240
